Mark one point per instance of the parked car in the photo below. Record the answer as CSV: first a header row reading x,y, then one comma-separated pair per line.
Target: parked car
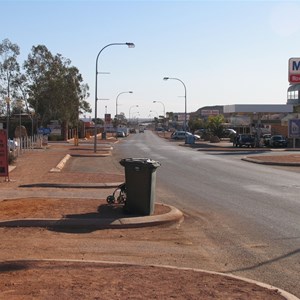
x,y
181,135
244,140
228,132
120,134
278,141
12,144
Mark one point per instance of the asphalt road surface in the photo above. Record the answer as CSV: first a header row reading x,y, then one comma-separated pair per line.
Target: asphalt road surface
x,y
242,218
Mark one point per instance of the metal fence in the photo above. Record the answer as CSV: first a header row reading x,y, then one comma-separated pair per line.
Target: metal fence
x,y
18,146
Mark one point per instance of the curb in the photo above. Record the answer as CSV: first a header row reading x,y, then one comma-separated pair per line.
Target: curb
x,y
175,215
62,163
283,293
92,155
263,162
102,185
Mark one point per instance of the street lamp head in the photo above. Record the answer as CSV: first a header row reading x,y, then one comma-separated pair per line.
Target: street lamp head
x,y
166,78
130,92
154,101
130,45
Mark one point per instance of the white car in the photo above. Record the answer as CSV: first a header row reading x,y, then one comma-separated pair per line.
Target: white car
x,y
12,145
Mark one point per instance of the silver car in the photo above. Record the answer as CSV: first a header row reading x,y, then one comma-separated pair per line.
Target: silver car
x,y
181,135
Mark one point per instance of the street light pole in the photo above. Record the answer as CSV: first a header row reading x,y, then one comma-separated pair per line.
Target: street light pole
x,y
185,104
130,92
19,101
135,115
130,45
130,110
162,105
164,125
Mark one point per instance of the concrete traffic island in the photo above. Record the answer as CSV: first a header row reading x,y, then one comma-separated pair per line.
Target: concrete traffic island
x,y
75,213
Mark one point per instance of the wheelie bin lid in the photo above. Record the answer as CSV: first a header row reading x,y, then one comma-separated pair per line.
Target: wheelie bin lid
x,y
139,162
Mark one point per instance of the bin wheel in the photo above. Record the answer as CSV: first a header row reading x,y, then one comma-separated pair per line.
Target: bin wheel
x,y
110,199
122,198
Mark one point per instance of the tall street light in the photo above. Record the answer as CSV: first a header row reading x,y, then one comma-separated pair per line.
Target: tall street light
x,y
167,78
130,110
164,114
135,115
130,92
129,45
162,105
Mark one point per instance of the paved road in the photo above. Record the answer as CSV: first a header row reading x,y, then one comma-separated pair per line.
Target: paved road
x,y
248,214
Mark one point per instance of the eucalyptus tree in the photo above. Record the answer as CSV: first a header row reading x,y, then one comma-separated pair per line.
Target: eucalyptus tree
x,y
55,88
9,70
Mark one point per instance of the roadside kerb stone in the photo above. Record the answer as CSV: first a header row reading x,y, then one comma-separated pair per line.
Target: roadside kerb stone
x,y
265,162
104,185
62,163
283,293
173,216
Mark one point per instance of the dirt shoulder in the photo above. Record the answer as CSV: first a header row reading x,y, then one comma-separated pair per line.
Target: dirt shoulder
x,y
94,280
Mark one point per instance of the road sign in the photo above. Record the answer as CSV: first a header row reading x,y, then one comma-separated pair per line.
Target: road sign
x,y
44,131
294,128
294,70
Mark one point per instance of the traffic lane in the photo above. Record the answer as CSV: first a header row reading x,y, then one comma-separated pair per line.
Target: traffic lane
x,y
249,189
265,198
256,235
197,173
273,209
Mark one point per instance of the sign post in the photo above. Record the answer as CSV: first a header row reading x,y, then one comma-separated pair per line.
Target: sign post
x,y
294,70
3,155
294,130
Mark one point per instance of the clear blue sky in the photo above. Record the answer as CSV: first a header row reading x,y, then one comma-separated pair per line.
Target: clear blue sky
x,y
226,52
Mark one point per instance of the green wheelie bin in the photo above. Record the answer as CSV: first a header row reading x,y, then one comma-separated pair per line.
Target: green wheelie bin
x,y
140,180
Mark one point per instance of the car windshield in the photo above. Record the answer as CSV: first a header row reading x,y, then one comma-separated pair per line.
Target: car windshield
x,y
277,138
246,136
